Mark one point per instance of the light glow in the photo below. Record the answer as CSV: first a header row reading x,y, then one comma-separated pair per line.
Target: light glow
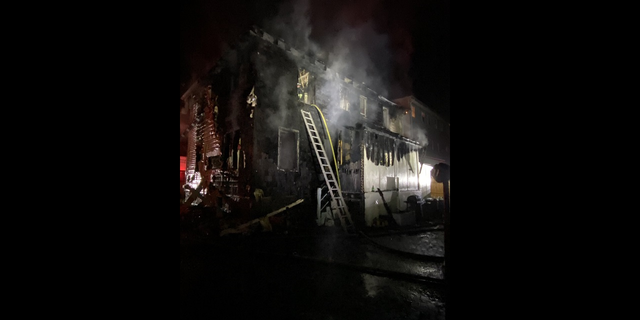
x,y
425,178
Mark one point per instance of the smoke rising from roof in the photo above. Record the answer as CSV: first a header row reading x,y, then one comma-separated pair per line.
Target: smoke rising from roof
x,y
371,41
353,41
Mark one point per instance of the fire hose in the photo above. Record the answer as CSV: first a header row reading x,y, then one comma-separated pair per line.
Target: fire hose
x,y
326,129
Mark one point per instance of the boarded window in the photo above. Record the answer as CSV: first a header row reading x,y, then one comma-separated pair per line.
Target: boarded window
x,y
288,147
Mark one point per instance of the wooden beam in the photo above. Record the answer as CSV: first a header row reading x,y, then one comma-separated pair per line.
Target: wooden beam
x,y
239,228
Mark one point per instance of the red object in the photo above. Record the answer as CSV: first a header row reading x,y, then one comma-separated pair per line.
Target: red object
x,y
183,163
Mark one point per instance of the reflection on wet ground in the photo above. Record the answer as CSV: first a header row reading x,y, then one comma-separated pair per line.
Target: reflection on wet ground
x,y
425,243
254,280
360,251
231,284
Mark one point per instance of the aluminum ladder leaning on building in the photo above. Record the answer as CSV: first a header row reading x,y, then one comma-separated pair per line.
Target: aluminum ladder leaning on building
x,y
329,177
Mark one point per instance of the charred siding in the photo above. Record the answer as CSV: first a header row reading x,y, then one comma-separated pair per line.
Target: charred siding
x,y
278,109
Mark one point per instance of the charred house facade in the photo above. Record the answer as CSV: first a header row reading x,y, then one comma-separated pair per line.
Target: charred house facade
x,y
248,136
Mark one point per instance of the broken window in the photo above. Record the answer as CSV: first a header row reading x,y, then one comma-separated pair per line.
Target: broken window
x,y
252,101
306,87
344,99
363,105
288,148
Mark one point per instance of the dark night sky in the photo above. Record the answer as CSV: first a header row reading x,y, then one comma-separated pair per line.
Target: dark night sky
x,y
406,42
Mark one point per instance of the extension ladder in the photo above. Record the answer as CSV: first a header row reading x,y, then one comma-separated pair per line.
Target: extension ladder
x,y
329,177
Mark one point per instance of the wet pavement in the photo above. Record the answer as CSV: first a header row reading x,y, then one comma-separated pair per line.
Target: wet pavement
x,y
424,243
359,251
321,274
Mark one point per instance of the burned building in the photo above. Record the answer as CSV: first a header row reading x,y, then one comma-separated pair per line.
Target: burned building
x,y
249,138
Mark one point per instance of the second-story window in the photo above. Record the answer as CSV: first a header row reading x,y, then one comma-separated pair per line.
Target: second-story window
x,y
363,105
344,99
413,111
424,118
306,86
385,117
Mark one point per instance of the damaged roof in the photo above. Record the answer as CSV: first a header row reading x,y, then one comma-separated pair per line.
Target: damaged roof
x,y
310,61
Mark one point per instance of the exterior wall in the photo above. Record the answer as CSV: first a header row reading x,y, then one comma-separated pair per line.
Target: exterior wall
x,y
397,182
278,109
